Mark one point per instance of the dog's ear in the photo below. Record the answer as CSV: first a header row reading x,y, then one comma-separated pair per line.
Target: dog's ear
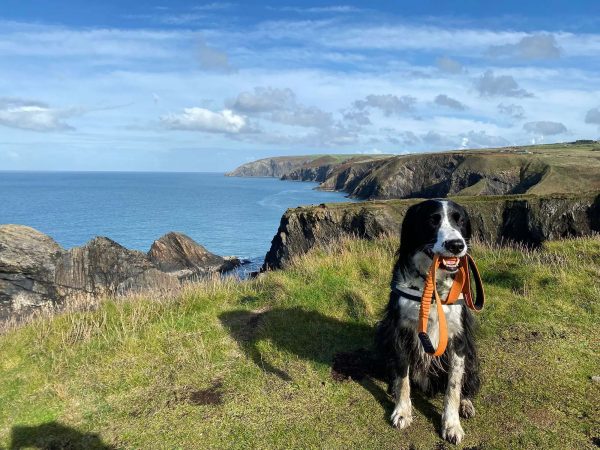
x,y
469,230
466,232
409,229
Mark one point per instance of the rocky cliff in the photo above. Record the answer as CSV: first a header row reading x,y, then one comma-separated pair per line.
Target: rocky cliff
x,y
299,168
555,168
36,272
271,167
526,219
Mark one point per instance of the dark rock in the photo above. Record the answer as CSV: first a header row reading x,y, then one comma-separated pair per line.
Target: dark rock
x,y
179,254
529,220
27,266
36,272
104,267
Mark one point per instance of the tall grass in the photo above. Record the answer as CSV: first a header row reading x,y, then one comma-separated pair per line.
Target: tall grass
x,y
222,363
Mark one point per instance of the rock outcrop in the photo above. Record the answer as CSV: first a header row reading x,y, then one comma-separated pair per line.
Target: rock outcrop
x,y
271,167
542,170
177,254
37,272
28,261
526,219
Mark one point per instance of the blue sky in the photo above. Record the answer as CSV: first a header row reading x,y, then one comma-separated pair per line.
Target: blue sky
x,y
205,86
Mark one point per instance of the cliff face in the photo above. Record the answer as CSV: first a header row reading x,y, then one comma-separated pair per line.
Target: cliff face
x,y
271,167
37,272
565,168
526,219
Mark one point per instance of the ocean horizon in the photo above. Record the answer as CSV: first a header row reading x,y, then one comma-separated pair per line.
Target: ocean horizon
x,y
227,215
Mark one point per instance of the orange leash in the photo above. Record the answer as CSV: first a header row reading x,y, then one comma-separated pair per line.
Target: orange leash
x,y
461,285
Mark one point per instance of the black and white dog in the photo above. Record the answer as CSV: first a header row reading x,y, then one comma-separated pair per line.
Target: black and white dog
x,y
432,227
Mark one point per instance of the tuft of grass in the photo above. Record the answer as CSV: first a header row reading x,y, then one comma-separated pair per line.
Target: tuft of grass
x,y
226,364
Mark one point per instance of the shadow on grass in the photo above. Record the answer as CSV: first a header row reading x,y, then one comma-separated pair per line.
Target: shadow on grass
x,y
321,339
54,436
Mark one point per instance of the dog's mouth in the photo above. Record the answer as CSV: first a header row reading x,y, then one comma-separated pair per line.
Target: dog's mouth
x,y
447,263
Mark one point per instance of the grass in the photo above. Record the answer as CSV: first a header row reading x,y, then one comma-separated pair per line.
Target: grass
x,y
248,365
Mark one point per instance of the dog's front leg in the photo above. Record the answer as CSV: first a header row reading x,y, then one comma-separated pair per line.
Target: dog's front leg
x,y
451,428
402,414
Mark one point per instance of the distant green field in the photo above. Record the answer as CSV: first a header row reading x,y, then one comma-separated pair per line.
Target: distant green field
x,y
248,365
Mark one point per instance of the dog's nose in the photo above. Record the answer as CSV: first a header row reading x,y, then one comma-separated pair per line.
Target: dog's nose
x,y
454,246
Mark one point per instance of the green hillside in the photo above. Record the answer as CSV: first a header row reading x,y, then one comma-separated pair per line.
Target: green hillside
x,y
540,169
248,365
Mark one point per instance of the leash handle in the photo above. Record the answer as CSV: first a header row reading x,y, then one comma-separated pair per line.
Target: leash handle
x,y
429,291
471,268
461,284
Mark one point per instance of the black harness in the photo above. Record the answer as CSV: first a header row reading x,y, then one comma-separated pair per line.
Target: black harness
x,y
398,293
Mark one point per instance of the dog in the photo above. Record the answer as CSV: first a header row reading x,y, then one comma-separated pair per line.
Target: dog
x,y
431,227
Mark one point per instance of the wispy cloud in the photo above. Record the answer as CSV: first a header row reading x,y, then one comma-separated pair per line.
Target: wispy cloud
x,y
444,100
34,115
545,128
539,46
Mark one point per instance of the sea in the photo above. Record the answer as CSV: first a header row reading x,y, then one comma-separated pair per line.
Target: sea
x,y
227,215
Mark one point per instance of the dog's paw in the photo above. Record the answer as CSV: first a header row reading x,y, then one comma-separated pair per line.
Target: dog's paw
x,y
453,432
402,416
467,410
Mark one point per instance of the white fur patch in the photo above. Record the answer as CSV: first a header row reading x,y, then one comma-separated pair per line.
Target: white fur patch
x,y
446,233
451,429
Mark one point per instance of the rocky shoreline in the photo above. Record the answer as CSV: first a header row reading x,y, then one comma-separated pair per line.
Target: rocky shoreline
x,y
36,272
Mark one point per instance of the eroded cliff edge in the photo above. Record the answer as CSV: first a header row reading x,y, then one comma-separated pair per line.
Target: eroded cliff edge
x,y
528,219
541,170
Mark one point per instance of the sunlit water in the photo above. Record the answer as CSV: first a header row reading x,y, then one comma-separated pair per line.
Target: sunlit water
x,y
229,216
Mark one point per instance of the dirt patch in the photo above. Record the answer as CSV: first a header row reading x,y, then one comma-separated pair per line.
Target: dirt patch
x,y
354,365
210,396
494,399
520,334
542,417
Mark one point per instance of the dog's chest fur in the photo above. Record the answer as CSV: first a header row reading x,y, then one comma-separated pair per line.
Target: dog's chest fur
x,y
423,363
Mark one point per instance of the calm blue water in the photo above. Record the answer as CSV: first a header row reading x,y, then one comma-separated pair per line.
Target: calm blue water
x,y
229,216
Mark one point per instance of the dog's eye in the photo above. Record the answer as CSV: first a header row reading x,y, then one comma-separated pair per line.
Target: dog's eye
x,y
457,217
435,219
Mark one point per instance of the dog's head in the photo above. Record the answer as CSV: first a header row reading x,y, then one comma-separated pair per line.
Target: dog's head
x,y
434,227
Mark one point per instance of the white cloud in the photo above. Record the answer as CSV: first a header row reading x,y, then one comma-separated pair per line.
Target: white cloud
x,y
388,103
280,105
538,46
545,128
444,100
201,119
512,110
319,9
490,85
302,117
265,99
593,116
34,115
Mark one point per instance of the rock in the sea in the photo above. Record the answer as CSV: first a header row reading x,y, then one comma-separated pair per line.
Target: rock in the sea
x,y
37,272
179,254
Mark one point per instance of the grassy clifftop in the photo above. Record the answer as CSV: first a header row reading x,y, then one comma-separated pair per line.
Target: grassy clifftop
x,y
248,365
542,170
